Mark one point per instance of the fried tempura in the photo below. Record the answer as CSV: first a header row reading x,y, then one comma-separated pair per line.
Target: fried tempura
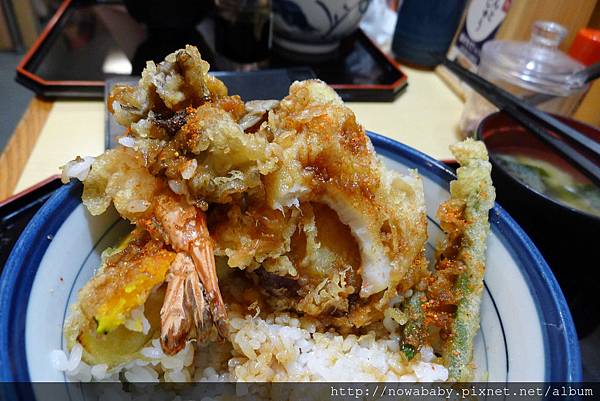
x,y
275,207
360,228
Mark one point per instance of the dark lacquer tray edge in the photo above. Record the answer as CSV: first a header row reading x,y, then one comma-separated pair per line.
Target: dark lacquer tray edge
x,y
17,211
49,88
20,195
374,92
95,89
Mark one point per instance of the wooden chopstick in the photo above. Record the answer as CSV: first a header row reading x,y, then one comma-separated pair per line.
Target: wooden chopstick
x,y
587,166
590,73
536,121
558,126
507,98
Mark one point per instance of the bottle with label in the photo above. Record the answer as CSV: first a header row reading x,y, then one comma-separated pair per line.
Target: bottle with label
x,y
481,23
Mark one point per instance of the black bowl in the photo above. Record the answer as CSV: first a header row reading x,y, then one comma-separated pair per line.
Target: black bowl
x,y
566,236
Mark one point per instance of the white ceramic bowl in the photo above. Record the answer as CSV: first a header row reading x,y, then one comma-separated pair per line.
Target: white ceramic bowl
x,y
526,329
315,26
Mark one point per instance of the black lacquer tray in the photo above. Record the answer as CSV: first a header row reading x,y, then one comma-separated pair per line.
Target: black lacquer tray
x,y
15,213
87,42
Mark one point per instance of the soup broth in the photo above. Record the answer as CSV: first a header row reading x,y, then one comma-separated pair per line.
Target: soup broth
x,y
552,181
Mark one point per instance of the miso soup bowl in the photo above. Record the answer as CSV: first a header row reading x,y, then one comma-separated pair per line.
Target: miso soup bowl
x,y
567,237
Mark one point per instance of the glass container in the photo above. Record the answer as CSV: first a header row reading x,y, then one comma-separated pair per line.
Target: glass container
x,y
243,30
527,69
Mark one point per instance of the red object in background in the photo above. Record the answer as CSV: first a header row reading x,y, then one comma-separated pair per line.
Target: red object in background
x,y
586,46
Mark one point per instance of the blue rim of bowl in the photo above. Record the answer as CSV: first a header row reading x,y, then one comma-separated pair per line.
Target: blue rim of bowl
x,y
561,346
15,286
563,361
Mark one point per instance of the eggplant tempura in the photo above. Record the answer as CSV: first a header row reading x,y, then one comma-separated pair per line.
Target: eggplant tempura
x,y
271,243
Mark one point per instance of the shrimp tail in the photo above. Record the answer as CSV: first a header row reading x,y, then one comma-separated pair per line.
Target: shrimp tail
x,y
175,311
204,260
193,298
184,307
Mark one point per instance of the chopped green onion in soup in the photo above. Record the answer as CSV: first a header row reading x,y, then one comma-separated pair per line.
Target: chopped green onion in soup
x,y
546,178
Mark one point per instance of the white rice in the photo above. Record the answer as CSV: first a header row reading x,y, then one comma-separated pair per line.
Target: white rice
x,y
189,169
137,321
78,168
284,349
279,348
177,186
127,141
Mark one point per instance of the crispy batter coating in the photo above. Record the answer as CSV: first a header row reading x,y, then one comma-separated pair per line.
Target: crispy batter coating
x,y
474,187
328,158
343,232
185,127
248,236
455,288
180,81
229,161
293,201
125,280
128,277
119,176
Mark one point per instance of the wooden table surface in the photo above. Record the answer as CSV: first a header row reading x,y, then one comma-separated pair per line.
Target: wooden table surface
x,y
19,147
52,133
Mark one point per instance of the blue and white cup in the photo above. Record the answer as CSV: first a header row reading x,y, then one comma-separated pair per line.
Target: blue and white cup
x,y
315,26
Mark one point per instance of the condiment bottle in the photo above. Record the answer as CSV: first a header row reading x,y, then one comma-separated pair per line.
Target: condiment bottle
x,y
526,69
586,49
424,30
